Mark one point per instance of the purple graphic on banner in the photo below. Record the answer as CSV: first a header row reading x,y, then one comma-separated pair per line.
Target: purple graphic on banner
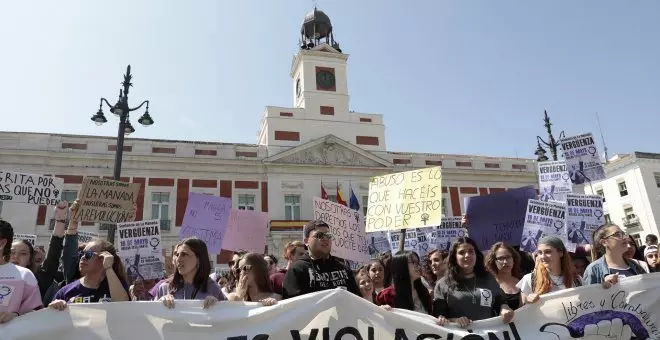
x,y
206,218
498,217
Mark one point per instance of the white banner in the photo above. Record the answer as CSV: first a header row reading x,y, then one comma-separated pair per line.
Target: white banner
x,y
584,215
554,181
141,250
349,241
629,310
17,187
582,159
543,219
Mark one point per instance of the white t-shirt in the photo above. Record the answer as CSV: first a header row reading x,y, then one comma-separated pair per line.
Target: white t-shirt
x,y
19,290
525,285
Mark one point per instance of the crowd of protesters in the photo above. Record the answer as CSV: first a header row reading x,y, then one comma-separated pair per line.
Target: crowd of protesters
x,y
461,285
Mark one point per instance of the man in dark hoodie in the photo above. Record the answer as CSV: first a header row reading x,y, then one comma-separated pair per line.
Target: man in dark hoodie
x,y
317,270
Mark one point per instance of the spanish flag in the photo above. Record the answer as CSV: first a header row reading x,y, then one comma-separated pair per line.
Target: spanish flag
x,y
340,197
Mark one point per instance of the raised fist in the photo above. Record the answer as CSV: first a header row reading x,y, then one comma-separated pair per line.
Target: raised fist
x,y
605,330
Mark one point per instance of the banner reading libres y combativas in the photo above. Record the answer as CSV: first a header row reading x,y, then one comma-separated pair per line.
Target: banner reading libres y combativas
x,y
626,311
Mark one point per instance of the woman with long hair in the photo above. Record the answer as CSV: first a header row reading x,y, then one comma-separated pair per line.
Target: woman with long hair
x,y
103,277
468,292
407,290
365,283
190,280
607,249
553,271
254,281
378,274
633,253
503,262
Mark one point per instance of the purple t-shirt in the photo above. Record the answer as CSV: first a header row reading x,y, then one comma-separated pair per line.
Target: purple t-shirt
x,y
188,292
75,292
154,290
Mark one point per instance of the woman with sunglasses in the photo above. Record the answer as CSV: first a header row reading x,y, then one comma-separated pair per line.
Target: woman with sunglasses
x,y
407,290
254,283
191,279
103,280
468,292
607,249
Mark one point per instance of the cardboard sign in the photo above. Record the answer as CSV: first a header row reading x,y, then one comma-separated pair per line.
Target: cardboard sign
x,y
17,187
349,241
405,200
107,201
206,218
141,250
246,230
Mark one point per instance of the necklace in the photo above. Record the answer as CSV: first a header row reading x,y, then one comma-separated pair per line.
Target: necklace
x,y
473,291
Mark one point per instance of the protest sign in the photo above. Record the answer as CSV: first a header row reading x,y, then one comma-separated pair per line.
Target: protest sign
x,y
584,215
624,312
543,219
246,230
18,187
498,217
141,250
410,244
379,242
582,159
554,181
349,240
107,201
443,236
405,200
86,236
206,218
27,237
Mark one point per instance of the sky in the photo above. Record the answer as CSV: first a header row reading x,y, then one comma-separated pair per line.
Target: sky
x,y
453,77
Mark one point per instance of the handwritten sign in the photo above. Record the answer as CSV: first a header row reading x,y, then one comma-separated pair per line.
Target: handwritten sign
x,y
584,215
206,218
27,237
107,201
543,219
405,200
349,241
31,189
246,230
582,159
141,250
554,181
498,217
86,236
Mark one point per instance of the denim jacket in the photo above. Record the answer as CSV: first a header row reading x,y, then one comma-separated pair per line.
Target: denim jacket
x,y
597,270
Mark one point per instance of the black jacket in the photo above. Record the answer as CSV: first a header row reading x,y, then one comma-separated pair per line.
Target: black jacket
x,y
309,276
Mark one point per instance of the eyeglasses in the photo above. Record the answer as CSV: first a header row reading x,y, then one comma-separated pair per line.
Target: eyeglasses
x,y
321,235
503,259
619,234
245,268
87,255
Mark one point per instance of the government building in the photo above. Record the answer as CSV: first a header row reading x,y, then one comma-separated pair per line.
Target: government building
x,y
317,142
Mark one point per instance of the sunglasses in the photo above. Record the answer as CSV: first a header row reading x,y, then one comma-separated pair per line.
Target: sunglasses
x,y
87,255
321,235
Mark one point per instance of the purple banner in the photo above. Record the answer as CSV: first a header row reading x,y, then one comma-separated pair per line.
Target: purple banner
x,y
206,218
498,217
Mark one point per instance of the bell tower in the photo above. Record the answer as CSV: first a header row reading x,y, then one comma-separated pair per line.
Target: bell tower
x,y
319,71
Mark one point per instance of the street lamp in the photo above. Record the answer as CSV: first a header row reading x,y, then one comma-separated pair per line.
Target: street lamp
x,y
121,110
552,144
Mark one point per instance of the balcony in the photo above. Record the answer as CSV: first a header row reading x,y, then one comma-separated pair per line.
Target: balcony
x,y
632,224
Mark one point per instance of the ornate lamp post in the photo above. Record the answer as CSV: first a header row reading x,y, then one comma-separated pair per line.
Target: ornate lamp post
x,y
551,144
122,110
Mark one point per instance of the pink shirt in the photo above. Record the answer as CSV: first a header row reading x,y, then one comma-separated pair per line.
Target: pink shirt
x,y
19,290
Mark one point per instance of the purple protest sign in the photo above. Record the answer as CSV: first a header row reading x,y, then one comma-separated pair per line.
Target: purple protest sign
x,y
206,218
498,217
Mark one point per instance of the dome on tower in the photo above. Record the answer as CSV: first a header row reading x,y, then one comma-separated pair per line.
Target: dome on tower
x,y
316,25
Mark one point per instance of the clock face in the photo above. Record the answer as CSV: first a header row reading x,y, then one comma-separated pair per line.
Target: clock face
x,y
325,79
298,89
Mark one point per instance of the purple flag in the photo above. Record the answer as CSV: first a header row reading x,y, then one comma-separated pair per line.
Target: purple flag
x,y
498,217
206,218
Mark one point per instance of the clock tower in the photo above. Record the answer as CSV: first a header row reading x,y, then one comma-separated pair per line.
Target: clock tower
x,y
319,71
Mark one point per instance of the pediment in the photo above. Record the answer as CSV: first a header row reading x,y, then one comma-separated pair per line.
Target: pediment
x,y
329,150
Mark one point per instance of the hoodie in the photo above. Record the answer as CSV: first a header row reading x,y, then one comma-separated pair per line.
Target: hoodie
x,y
308,276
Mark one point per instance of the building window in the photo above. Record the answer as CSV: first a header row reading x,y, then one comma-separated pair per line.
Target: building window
x,y
0,208
444,206
365,202
246,202
332,198
657,179
623,189
160,208
601,193
291,207
630,214
638,239
608,219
